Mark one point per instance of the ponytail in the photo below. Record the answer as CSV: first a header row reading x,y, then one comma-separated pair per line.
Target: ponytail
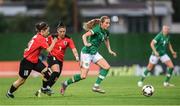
x,y
90,24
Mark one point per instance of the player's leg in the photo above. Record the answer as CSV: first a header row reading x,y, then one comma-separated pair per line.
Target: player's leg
x,y
15,86
165,59
152,61
41,68
73,79
104,69
56,67
46,72
24,72
85,64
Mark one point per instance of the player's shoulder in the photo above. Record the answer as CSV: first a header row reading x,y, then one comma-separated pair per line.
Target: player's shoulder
x,y
68,37
40,39
159,35
97,27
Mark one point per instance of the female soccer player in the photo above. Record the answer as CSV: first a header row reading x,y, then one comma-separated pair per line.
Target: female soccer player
x,y
31,61
56,56
159,45
97,32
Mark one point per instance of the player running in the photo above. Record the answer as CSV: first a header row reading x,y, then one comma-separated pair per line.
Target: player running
x,y
56,56
31,61
97,32
159,45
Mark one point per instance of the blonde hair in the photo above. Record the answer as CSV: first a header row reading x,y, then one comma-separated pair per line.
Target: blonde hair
x,y
90,24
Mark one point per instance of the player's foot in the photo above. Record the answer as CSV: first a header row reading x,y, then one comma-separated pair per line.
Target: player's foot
x,y
140,83
38,93
63,88
47,91
98,89
9,95
167,84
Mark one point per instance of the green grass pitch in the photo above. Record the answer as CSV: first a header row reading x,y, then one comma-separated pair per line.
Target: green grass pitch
x,y
120,90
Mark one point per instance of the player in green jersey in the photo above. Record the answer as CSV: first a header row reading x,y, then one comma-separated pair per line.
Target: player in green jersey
x,y
159,47
97,32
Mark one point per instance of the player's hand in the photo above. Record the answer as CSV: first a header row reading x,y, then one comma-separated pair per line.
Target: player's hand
x,y
156,53
112,53
88,44
54,40
77,59
174,55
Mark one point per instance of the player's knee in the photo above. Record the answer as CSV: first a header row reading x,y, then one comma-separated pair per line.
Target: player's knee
x,y
83,76
171,66
150,67
107,67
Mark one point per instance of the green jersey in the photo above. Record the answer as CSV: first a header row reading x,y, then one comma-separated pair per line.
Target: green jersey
x,y
99,35
161,43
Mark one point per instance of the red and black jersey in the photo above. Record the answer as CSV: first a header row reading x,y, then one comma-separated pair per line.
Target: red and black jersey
x,y
60,47
35,45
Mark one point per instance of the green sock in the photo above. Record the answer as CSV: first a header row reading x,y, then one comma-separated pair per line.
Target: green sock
x,y
74,79
169,74
144,75
101,76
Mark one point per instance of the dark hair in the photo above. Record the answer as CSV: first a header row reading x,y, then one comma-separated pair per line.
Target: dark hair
x,y
41,26
90,24
61,25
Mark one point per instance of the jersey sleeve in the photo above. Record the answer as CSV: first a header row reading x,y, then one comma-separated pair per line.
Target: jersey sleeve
x,y
157,38
94,30
49,40
71,44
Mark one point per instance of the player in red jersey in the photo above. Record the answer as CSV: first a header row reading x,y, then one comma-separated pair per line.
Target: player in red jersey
x,y
31,58
56,56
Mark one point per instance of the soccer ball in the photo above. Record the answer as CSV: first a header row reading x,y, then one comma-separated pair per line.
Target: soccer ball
x,y
147,90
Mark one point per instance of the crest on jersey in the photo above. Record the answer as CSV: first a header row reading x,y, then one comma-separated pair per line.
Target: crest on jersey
x,y
65,43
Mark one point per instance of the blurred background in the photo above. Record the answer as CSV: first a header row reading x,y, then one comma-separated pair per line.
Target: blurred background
x,y
134,23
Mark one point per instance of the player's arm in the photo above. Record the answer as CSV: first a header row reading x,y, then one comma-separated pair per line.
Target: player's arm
x,y
75,53
52,45
84,38
153,42
172,50
107,43
74,50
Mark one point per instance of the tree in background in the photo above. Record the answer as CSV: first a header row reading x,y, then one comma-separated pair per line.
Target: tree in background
x,y
57,10
176,6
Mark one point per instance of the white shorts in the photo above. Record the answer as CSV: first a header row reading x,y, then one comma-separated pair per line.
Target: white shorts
x,y
154,59
86,59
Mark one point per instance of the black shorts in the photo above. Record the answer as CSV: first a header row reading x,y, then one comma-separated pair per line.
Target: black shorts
x,y
26,67
51,60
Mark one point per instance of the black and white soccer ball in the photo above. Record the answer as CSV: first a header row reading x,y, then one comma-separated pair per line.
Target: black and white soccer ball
x,y
148,90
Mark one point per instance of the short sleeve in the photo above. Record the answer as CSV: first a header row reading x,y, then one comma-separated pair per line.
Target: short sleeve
x,y
49,40
71,44
157,38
